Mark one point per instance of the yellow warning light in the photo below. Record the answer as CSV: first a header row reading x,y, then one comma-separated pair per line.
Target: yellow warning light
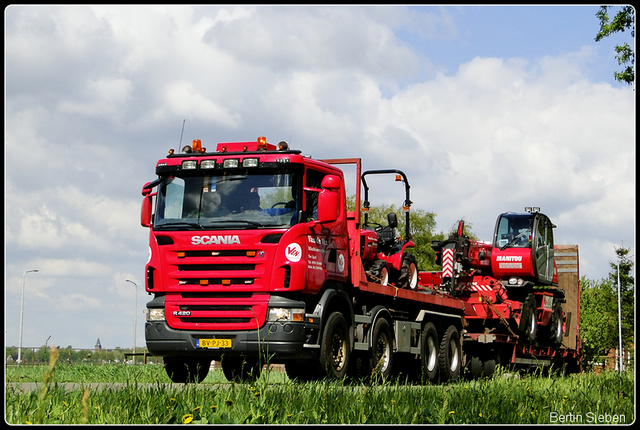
x,y
204,282
251,253
398,178
171,151
262,143
181,254
196,145
226,282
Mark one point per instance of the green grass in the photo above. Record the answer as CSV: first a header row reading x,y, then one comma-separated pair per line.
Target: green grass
x,y
275,399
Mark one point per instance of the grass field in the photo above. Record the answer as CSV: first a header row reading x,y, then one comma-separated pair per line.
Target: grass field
x,y
587,398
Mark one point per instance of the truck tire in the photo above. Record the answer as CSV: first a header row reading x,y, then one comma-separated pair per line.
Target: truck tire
x,y
408,272
184,371
241,369
429,352
335,349
450,355
528,326
381,349
482,365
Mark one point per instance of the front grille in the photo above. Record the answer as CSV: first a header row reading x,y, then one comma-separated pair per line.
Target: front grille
x,y
216,311
215,267
216,320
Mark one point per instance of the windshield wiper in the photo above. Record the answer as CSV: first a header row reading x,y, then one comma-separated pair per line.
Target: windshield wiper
x,y
181,224
512,241
226,221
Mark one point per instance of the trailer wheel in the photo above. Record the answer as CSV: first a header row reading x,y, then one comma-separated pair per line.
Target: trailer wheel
x,y
183,371
450,355
482,365
335,347
241,369
429,352
382,349
529,320
408,272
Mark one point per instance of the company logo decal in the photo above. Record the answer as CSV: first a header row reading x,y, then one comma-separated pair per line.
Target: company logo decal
x,y
509,258
293,252
215,240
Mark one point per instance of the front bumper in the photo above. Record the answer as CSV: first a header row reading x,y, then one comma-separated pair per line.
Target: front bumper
x,y
277,340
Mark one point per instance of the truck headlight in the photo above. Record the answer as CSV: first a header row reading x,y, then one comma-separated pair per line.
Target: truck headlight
x,y
285,314
155,314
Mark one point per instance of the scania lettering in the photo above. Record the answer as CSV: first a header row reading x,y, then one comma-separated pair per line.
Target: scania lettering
x,y
216,240
256,258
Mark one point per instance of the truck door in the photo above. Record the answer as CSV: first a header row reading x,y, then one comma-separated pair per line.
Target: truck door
x,y
542,244
328,244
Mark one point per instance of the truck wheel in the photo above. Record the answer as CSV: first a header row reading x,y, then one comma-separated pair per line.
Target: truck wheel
x,y
183,371
241,369
408,272
529,320
554,331
335,347
382,349
450,355
429,352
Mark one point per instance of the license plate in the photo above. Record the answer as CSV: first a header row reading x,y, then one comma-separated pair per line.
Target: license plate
x,y
213,343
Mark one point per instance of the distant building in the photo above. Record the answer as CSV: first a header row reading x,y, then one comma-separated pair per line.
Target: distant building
x,y
98,345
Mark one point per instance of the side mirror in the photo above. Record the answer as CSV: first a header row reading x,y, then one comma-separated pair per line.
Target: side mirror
x,y
327,206
145,212
393,220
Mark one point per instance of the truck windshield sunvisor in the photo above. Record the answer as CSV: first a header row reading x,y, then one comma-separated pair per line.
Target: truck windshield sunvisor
x,y
252,199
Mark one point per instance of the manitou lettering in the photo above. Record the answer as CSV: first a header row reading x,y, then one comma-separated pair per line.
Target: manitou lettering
x,y
215,240
509,258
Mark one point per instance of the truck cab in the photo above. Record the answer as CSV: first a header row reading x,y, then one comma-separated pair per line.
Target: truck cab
x,y
240,251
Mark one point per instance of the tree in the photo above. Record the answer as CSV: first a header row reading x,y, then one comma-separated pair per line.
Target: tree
x,y
599,309
623,20
598,318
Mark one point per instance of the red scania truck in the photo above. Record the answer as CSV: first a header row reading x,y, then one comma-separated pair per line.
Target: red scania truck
x,y
255,258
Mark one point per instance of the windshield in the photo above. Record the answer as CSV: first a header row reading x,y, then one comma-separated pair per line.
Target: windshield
x,y
243,199
514,231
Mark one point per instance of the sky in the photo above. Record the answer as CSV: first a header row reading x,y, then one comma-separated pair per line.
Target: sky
x,y
487,109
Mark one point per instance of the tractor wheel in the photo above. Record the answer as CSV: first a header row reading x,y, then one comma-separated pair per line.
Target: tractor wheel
x,y
335,347
554,331
408,272
241,369
450,355
528,326
379,272
429,352
381,349
183,371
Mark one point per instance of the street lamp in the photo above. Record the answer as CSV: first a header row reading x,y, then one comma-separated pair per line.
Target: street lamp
x,y
21,316
135,319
